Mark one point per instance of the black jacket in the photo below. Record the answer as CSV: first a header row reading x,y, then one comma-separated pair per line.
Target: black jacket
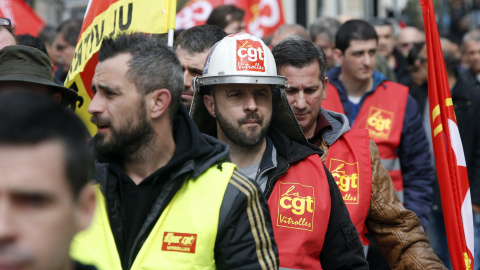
x,y
342,248
466,103
80,266
237,237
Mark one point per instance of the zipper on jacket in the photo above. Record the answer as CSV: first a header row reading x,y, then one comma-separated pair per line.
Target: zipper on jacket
x,y
139,241
270,185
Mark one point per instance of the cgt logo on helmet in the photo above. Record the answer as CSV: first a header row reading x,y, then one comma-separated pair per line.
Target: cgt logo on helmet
x,y
250,55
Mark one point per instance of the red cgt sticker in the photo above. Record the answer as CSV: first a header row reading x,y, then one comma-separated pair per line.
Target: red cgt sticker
x,y
179,242
250,55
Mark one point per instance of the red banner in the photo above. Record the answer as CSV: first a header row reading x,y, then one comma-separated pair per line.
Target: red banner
x,y
22,16
262,17
449,156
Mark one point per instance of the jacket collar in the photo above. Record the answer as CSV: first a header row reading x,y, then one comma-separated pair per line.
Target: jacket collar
x,y
194,152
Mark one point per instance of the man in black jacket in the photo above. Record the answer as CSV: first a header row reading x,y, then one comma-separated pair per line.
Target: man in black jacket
x,y
241,100
192,47
167,196
466,103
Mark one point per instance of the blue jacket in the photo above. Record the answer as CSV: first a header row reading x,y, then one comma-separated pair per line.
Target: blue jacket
x,y
413,150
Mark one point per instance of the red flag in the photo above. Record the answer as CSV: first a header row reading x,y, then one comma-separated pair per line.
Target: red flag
x,y
22,16
262,17
448,149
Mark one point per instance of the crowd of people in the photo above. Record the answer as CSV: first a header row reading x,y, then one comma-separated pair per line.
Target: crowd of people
x,y
307,149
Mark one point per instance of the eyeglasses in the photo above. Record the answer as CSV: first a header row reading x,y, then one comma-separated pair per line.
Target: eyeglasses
x,y
5,22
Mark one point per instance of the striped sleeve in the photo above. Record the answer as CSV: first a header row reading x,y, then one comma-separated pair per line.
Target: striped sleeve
x,y
245,235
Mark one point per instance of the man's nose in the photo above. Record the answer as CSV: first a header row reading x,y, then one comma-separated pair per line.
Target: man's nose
x,y
7,228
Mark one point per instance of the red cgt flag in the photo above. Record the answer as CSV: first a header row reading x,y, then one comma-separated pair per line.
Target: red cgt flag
x,y
447,145
262,18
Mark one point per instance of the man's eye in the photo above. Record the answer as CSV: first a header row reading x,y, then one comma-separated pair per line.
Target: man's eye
x,y
234,94
109,93
31,201
309,91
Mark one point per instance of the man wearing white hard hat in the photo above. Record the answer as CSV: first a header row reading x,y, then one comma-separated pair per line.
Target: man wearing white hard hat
x,y
241,101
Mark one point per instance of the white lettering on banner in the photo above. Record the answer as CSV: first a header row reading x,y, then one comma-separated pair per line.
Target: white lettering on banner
x,y
191,14
252,53
261,21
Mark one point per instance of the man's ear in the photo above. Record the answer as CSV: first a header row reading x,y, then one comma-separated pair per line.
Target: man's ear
x,y
209,104
325,86
338,56
158,100
85,208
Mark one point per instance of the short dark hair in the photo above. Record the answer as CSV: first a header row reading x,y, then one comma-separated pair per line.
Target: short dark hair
x,y
354,30
153,65
70,29
413,55
298,52
200,38
29,119
219,15
47,35
451,63
31,41
387,22
324,26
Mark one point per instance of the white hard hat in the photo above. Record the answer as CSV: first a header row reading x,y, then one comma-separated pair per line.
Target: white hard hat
x,y
240,58
243,59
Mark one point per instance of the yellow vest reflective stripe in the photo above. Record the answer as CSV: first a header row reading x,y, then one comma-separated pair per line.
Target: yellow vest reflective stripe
x,y
183,237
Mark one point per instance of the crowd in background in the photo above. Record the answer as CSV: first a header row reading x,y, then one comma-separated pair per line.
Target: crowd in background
x,y
401,57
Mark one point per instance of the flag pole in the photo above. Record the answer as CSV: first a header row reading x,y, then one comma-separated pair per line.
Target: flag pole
x,y
170,37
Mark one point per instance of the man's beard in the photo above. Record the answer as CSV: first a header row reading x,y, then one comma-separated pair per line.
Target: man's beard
x,y
236,135
127,139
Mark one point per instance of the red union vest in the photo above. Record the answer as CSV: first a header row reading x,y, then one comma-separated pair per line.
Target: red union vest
x,y
348,159
300,209
382,114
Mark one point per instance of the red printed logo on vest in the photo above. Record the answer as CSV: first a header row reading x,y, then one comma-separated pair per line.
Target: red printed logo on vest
x,y
180,242
250,55
379,123
296,206
347,178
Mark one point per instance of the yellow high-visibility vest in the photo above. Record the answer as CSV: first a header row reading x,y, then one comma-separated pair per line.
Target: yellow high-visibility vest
x,y
183,237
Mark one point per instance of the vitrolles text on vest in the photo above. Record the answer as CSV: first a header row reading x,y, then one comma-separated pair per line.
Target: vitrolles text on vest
x,y
181,242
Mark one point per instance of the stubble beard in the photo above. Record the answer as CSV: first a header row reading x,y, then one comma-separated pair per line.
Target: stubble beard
x,y
128,139
236,135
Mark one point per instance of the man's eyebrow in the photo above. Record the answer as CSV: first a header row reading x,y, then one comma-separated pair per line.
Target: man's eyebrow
x,y
105,87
